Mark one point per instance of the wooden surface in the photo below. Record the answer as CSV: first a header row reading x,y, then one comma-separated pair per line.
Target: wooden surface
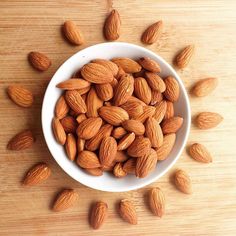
x,y
35,25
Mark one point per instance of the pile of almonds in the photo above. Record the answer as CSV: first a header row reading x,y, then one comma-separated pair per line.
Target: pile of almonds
x,y
106,120
117,115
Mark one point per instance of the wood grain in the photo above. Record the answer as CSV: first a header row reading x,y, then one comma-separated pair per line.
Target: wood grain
x,y
35,25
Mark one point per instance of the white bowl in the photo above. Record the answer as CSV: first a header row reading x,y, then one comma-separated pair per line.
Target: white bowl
x,y
107,182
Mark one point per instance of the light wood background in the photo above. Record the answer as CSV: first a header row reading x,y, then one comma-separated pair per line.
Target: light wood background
x,y
35,25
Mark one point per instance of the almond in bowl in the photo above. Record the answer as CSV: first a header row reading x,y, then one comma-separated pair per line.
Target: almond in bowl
x,y
90,122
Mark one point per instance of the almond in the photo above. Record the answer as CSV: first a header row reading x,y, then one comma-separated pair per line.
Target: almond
x,y
142,90
146,164
199,153
152,33
39,61
127,64
128,212
72,33
156,97
134,126
89,127
149,64
124,89
104,91
169,110
61,108
130,165
81,118
93,103
156,200
94,143
70,147
171,125
208,120
126,141
164,150
153,132
81,85
58,130
21,141
184,56
120,73
182,181
148,111
88,160
139,147
133,108
98,214
96,73
69,124
37,174
65,199
94,171
20,96
141,73
204,87
107,151
73,113
109,167
114,83
134,99
112,25
155,82
160,111
119,132
172,89
80,144
75,101
118,170
108,64
113,115
121,156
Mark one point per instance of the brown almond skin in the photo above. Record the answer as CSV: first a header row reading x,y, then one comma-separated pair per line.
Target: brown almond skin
x,y
172,89
124,89
98,214
142,90
155,82
146,164
121,156
156,200
149,64
69,124
112,26
21,141
96,73
80,144
37,174
119,132
183,182
39,61
160,111
58,130
74,83
127,64
70,147
20,95
148,111
75,101
164,150
94,143
80,118
104,91
184,56
134,126
169,110
171,125
72,33
65,199
61,108
118,170
200,153
128,212
126,141
204,87
152,33
94,171
130,165
139,147
107,151
208,120
89,128
156,97
133,108
108,64
88,160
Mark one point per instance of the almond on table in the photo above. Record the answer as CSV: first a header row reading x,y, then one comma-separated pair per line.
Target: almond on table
x,y
39,61
184,56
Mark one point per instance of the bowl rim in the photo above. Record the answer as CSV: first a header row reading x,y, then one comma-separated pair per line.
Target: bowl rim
x,y
188,114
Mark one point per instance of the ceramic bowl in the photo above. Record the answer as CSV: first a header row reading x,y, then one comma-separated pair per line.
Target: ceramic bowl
x,y
107,182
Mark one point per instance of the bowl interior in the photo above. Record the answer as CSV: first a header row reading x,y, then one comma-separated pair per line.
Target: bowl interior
x,y
107,182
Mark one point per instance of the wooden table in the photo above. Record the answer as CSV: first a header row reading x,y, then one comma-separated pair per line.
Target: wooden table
x,y
35,25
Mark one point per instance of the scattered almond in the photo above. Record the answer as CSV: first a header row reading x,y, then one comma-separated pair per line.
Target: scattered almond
x,y
200,153
98,214
156,200
39,61
182,181
128,212
184,56
208,120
